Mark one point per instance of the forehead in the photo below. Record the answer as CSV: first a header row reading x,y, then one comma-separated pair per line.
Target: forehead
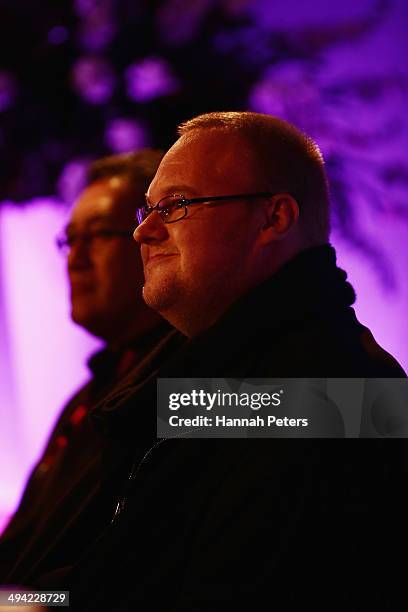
x,y
110,197
208,162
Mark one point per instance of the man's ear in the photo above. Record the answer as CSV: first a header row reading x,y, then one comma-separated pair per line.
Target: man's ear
x,y
281,215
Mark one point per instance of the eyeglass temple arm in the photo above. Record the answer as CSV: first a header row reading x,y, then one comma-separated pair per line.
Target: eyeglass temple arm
x,y
236,196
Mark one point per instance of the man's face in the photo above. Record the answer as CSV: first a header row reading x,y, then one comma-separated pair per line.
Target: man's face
x,y
205,260
105,273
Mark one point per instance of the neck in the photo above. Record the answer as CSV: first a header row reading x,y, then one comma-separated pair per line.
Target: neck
x,y
133,330
190,326
195,315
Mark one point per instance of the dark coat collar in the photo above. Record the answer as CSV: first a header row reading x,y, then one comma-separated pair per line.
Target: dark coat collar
x,y
309,284
105,362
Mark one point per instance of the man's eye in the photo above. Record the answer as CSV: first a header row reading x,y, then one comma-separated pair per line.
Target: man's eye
x,y
166,210
171,202
102,233
165,205
175,204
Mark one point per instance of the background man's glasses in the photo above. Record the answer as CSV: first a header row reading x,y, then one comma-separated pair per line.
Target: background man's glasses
x,y
174,207
66,241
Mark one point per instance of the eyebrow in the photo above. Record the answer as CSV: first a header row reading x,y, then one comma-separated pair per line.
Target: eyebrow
x,y
176,190
90,221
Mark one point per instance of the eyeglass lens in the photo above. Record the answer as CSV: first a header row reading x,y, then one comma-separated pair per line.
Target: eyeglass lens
x,y
170,209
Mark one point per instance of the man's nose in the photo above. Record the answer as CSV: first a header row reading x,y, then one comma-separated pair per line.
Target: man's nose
x,y
152,229
79,255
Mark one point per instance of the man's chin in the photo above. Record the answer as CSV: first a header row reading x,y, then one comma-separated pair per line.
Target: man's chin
x,y
158,296
86,319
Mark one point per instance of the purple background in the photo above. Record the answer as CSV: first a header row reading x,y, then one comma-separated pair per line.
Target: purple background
x,y
349,91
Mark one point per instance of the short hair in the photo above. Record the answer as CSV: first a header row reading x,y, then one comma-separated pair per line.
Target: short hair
x,y
289,161
138,167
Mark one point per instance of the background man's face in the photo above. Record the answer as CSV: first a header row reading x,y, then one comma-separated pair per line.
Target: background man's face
x,y
207,255
106,275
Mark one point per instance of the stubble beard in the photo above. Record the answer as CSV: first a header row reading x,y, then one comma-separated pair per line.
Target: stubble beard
x,y
189,309
171,298
162,295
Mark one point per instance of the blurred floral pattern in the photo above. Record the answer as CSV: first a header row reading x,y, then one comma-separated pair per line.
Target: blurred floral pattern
x,y
93,77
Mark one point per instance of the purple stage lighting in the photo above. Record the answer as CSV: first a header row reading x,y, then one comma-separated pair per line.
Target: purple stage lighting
x,y
93,79
95,34
84,8
57,35
72,180
8,90
149,78
123,135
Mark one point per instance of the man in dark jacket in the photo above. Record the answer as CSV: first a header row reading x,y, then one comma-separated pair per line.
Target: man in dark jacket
x,y
236,256
71,494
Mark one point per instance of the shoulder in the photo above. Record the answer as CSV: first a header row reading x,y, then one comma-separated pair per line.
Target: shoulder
x,y
335,345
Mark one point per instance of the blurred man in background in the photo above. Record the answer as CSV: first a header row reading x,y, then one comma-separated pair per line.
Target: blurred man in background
x,y
71,493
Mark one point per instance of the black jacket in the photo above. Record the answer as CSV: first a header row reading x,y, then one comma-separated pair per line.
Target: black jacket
x,y
213,524
72,492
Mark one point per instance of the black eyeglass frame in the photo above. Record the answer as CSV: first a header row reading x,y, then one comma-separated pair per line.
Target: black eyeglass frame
x,y
62,241
144,211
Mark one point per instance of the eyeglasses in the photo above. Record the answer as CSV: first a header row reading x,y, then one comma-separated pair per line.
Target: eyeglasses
x,y
65,241
173,208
